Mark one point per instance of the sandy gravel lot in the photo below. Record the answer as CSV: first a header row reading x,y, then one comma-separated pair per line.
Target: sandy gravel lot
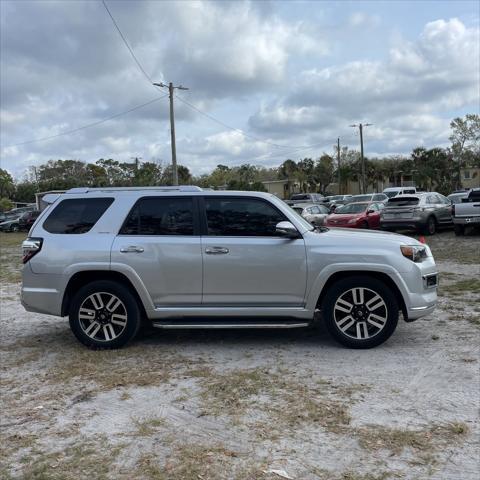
x,y
237,405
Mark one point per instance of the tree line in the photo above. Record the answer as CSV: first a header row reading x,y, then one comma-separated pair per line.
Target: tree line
x,y
434,168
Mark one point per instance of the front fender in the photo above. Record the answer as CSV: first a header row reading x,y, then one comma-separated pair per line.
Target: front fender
x,y
325,274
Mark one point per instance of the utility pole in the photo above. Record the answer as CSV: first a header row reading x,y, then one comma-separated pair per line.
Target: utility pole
x,y
171,88
362,159
338,165
135,168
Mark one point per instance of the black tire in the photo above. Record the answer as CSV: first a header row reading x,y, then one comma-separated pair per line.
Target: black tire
x,y
14,228
125,325
459,230
334,321
431,226
364,225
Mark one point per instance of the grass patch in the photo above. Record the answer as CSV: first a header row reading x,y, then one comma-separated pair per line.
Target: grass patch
x,y
192,462
114,368
423,442
146,427
82,459
10,257
284,402
470,285
471,318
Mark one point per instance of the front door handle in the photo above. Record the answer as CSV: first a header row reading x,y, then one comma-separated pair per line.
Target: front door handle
x,y
216,250
132,249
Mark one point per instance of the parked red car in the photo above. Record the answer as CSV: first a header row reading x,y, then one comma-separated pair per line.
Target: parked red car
x,y
356,215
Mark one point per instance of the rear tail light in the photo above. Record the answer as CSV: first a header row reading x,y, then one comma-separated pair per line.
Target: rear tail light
x,y
30,247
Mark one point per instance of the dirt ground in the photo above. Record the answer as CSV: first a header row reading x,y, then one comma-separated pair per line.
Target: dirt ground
x,y
237,405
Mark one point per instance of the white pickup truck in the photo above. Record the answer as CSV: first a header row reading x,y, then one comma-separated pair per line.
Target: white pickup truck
x,y
467,212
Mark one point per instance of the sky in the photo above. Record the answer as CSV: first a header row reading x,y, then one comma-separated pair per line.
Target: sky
x,y
268,80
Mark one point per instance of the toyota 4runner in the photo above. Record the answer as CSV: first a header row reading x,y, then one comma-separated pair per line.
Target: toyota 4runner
x,y
182,257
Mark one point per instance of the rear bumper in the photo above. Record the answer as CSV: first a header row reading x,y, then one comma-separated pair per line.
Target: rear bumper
x,y
36,297
466,220
413,223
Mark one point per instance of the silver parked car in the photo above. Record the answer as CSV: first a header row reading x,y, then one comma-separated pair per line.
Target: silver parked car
x,y
314,214
423,211
368,197
181,257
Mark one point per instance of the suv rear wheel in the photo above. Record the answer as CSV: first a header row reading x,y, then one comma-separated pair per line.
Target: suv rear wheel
x,y
360,312
431,226
104,315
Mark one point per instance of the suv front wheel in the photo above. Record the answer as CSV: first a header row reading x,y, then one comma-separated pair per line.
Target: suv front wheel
x,y
104,315
360,312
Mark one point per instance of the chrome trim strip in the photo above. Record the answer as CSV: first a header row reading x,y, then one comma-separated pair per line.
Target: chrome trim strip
x,y
227,325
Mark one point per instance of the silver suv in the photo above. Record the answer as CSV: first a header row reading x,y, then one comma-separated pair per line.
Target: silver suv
x,y
181,257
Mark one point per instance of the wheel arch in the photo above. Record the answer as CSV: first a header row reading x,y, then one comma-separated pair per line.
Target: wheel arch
x,y
84,277
383,277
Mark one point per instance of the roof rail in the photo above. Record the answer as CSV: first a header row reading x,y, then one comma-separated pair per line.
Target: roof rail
x,y
180,188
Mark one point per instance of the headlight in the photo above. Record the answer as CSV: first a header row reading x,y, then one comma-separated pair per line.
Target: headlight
x,y
415,253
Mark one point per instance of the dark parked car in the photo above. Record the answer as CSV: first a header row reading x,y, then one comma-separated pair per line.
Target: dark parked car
x,y
28,219
422,211
356,215
10,224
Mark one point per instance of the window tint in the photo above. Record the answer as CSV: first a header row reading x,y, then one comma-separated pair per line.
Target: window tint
x,y
241,217
77,215
160,216
403,202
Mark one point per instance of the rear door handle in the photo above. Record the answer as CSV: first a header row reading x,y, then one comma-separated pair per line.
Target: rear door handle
x,y
216,250
132,249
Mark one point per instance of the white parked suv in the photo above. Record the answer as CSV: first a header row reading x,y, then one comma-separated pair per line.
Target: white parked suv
x,y
181,257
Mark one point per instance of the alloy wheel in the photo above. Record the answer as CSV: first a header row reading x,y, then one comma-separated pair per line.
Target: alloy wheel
x,y
102,316
360,313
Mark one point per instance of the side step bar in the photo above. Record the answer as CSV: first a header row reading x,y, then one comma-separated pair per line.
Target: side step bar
x,y
212,324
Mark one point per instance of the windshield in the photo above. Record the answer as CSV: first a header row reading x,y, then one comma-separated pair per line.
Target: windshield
x,y
402,202
391,194
352,208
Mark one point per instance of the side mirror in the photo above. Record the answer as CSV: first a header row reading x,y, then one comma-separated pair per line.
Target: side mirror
x,y
286,229
370,211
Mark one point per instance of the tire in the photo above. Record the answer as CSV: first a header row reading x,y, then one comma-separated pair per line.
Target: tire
x,y
104,315
459,230
345,297
364,225
14,228
430,227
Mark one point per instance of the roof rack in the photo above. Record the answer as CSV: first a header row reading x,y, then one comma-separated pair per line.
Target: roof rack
x,y
180,188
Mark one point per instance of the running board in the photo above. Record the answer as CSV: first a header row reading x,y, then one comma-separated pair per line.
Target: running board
x,y
227,324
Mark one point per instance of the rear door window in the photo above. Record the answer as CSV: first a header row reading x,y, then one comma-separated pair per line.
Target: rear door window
x,y
76,215
403,202
241,217
160,216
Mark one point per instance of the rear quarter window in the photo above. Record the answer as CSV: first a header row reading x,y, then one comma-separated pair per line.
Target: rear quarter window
x,y
76,215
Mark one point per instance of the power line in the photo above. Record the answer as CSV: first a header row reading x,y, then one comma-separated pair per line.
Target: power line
x,y
252,137
89,125
139,65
